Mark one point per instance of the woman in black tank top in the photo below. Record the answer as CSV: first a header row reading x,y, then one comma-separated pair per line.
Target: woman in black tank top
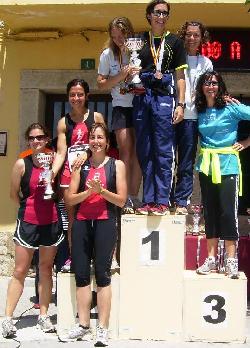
x,y
98,187
77,91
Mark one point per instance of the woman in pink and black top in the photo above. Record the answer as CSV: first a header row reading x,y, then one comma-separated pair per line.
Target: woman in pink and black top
x,y
38,227
73,130
96,189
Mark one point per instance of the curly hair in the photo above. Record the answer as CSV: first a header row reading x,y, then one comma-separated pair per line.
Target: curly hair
x,y
204,33
200,99
125,26
151,5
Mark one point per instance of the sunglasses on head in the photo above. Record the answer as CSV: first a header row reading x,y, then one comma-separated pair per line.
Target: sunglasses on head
x,y
37,137
159,13
211,83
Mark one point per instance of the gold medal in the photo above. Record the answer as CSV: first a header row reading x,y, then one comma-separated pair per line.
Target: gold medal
x,y
158,75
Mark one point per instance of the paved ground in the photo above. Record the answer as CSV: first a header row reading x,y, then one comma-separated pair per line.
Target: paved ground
x,y
28,336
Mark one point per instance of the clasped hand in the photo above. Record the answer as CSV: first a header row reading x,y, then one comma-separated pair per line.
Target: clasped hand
x,y
94,185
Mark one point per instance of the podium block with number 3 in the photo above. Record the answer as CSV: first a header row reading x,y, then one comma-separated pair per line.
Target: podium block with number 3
x,y
214,307
151,277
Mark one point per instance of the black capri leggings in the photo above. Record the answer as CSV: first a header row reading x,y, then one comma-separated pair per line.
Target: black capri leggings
x,y
220,202
93,239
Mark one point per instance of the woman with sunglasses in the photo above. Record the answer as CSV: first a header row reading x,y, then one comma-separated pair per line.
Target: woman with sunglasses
x,y
163,60
38,227
219,168
96,190
194,34
113,71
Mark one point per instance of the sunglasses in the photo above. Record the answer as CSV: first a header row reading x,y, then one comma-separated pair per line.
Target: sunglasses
x,y
211,83
37,137
158,13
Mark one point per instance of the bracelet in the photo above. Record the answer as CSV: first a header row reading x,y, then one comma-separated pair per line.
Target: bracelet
x,y
102,190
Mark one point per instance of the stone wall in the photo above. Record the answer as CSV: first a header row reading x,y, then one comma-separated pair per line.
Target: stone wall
x,y
6,253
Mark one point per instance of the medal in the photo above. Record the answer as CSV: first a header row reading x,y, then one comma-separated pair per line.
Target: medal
x,y
158,75
157,54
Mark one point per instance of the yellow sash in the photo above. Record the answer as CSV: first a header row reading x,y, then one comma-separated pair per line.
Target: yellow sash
x,y
212,156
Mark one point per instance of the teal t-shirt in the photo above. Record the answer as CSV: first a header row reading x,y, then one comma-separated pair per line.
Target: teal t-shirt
x,y
218,129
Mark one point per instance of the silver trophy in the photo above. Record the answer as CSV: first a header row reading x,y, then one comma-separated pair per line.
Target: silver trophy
x,y
196,210
134,44
45,160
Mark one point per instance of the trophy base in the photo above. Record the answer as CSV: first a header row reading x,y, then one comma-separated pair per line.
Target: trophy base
x,y
48,196
136,88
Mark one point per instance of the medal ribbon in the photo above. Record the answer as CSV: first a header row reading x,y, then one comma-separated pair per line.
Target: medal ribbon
x,y
157,54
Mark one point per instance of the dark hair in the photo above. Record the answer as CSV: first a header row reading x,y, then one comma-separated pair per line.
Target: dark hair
x,y
204,33
77,82
200,99
36,126
125,26
151,5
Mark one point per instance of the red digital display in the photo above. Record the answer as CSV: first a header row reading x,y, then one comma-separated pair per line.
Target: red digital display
x,y
228,49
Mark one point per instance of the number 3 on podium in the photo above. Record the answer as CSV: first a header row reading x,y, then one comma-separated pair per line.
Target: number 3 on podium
x,y
151,248
214,307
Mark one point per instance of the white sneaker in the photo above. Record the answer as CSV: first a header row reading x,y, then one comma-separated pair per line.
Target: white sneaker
x,y
210,265
66,268
44,323
8,328
114,265
101,337
232,268
77,333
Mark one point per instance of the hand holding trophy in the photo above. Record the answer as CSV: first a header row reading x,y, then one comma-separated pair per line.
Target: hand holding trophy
x,y
134,44
45,160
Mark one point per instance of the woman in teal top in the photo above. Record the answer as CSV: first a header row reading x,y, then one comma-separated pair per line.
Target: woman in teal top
x,y
219,168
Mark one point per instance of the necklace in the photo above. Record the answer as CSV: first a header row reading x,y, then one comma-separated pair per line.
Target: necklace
x,y
97,164
192,82
81,117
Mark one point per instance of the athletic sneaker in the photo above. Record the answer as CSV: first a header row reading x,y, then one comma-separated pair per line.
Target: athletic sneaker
x,y
144,209
101,337
66,268
136,202
77,333
180,210
44,323
114,265
208,266
128,207
8,328
159,210
232,268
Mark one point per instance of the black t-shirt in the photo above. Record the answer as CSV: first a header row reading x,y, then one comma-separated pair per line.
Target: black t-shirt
x,y
174,55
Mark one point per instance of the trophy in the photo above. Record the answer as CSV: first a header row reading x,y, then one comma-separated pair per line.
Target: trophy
x,y
196,210
45,160
134,44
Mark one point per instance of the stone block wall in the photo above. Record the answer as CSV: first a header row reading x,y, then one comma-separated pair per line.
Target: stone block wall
x,y
6,253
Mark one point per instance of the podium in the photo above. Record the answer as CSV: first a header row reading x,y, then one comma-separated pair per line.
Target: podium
x,y
66,304
151,277
154,297
214,308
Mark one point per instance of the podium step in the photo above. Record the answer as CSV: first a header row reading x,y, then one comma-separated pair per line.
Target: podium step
x,y
214,307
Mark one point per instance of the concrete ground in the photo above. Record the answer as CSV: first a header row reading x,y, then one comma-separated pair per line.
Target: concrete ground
x,y
28,336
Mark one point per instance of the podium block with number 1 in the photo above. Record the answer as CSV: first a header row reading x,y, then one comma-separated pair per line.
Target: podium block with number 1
x,y
151,278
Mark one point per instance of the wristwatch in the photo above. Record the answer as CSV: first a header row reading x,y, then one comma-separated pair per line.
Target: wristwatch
x,y
183,105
